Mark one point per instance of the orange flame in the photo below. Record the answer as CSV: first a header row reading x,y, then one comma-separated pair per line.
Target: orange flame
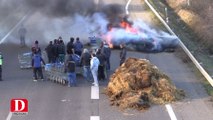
x,y
127,26
123,24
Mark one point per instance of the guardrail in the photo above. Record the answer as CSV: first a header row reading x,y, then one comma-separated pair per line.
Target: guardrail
x,y
199,67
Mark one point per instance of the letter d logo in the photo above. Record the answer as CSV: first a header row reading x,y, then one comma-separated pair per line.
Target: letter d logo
x,y
19,105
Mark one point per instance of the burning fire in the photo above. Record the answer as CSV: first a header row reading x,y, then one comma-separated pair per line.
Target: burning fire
x,y
128,27
125,25
138,36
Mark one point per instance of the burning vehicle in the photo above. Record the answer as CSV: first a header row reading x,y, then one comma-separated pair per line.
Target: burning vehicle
x,y
139,36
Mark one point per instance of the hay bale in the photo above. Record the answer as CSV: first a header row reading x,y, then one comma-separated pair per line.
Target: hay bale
x,y
137,84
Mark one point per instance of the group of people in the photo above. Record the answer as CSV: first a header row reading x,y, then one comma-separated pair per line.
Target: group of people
x,y
56,50
94,63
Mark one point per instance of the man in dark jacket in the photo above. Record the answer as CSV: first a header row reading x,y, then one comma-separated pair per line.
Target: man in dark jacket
x,y
85,61
106,51
101,58
55,51
70,45
49,51
61,51
78,46
37,67
122,54
70,70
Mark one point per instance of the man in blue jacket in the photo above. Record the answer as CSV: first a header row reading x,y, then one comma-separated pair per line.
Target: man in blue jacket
x,y
37,67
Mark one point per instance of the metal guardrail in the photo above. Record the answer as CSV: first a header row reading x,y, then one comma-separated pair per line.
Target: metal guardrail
x,y
199,67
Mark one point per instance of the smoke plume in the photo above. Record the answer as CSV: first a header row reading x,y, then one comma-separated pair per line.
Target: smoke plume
x,y
62,8
48,19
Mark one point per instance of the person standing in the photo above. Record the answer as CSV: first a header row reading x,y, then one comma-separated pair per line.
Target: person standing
x,y
37,67
55,51
35,48
49,51
101,58
22,32
1,62
94,63
122,54
61,51
70,69
106,51
70,45
78,47
85,61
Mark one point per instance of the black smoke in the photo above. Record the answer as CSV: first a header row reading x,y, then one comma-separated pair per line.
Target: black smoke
x,y
66,8
49,19
61,8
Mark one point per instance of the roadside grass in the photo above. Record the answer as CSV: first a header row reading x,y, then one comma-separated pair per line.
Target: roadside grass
x,y
208,87
189,38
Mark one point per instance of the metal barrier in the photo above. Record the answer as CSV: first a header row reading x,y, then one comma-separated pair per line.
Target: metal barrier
x,y
200,68
55,73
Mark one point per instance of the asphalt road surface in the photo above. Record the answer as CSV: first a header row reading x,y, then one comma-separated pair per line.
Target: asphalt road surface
x,y
51,101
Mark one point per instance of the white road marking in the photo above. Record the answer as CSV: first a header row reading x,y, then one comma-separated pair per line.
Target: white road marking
x,y
127,7
94,117
94,95
171,112
9,116
94,92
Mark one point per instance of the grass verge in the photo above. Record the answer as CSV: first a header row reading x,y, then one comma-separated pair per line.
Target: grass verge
x,y
189,38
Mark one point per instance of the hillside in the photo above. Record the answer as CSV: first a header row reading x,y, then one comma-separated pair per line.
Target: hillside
x,y
197,14
192,23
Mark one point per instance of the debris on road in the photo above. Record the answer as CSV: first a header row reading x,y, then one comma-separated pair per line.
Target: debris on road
x,y
138,84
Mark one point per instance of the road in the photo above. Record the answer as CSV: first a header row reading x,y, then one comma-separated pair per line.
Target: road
x,y
51,101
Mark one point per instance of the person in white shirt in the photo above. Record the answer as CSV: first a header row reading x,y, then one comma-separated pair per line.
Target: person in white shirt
x,y
94,63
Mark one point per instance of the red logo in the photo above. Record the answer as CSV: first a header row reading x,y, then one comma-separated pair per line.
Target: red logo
x,y
19,105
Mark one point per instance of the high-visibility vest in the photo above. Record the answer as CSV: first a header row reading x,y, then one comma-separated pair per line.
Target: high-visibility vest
x,y
1,59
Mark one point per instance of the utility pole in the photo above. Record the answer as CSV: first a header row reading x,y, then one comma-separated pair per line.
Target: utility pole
x,y
166,12
188,2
